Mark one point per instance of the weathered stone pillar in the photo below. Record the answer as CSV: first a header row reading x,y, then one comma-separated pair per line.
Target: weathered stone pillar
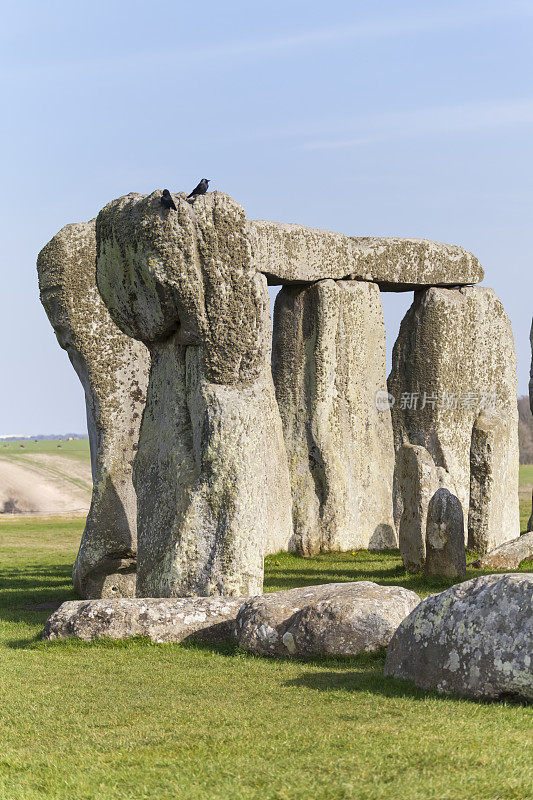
x,y
454,358
211,473
445,536
328,363
113,369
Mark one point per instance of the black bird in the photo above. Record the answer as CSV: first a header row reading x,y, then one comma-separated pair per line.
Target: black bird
x,y
200,189
167,201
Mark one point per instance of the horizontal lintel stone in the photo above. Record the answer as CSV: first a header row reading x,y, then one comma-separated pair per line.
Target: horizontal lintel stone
x,y
290,254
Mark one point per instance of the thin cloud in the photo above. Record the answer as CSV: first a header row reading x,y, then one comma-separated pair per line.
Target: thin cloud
x,y
460,16
420,122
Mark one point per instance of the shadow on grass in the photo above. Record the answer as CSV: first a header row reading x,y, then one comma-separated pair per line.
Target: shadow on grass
x,y
30,594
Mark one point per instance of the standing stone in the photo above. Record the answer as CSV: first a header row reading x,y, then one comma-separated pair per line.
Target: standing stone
x,y
445,536
454,358
113,369
417,480
328,363
211,472
489,465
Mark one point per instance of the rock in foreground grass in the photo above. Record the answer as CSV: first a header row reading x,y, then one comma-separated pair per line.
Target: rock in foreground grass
x,y
475,640
331,619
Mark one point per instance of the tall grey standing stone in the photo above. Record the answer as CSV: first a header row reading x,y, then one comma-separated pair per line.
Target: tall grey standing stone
x,y
490,465
113,369
328,363
416,476
445,536
454,358
211,473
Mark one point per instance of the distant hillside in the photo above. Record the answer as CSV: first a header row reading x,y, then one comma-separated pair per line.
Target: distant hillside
x,y
525,431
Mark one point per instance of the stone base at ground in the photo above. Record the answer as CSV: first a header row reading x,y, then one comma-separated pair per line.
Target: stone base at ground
x,y
159,619
331,619
507,556
475,640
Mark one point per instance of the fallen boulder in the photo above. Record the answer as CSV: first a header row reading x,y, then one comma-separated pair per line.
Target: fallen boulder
x,y
330,619
475,640
507,556
159,619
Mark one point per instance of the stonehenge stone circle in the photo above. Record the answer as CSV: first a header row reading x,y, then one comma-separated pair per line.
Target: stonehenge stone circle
x,y
445,536
328,363
454,359
237,455
113,369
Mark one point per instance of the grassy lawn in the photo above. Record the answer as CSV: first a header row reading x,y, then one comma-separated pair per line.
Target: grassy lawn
x,y
135,721
77,448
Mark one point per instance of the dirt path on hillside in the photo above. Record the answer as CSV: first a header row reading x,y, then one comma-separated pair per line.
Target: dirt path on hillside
x,y
42,484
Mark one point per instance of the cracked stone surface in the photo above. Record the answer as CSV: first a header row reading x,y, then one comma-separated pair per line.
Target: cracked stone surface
x,y
474,639
455,356
334,619
289,253
445,536
159,619
328,364
113,369
211,472
509,555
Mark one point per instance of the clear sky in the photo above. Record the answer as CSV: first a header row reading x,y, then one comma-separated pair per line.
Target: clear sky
x,y
386,118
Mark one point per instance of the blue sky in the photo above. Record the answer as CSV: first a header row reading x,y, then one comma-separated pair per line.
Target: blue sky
x,y
382,118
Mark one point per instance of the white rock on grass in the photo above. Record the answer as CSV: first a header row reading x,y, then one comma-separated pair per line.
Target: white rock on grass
x,y
158,619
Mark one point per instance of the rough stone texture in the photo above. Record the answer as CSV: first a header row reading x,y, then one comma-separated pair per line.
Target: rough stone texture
x,y
509,555
161,620
289,253
113,369
490,466
445,536
417,480
455,355
328,362
475,639
211,472
335,618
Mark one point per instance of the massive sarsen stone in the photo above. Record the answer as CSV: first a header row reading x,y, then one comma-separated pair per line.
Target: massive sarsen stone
x,y
211,472
289,253
453,361
328,363
475,639
331,619
113,369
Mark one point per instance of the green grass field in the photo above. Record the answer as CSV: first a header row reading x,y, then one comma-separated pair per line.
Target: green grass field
x,y
77,448
136,721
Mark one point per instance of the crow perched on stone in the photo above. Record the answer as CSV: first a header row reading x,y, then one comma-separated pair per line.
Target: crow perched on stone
x,y
167,201
200,189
